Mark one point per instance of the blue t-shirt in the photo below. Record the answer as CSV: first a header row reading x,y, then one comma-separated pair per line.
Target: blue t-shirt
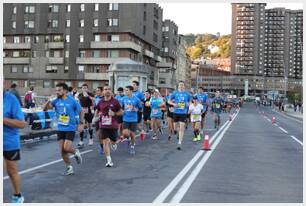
x,y
182,99
155,108
119,98
96,102
66,111
131,107
140,96
12,110
217,104
202,98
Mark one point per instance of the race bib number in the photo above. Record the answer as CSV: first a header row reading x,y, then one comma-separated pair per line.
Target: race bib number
x,y
155,111
85,110
106,120
181,105
63,120
196,117
217,106
147,104
129,107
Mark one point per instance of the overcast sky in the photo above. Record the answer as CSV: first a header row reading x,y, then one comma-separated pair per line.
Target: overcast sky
x,y
207,17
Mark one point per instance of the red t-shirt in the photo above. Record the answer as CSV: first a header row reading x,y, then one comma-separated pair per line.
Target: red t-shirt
x,y
103,107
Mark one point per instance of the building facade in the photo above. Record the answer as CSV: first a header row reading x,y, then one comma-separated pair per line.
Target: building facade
x,y
183,62
77,43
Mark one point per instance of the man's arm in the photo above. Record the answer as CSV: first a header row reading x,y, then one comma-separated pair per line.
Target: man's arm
x,y
15,123
47,106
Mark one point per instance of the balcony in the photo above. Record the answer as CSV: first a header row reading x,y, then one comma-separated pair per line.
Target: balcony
x,y
56,60
17,46
164,65
148,53
20,60
96,76
90,60
115,45
56,45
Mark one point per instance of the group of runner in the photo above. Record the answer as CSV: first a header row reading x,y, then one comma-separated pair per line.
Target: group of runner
x,y
115,118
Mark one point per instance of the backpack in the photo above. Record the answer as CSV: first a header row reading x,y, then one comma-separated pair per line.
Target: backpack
x,y
28,98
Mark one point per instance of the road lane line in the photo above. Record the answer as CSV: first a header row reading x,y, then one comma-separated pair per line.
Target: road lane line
x,y
293,137
44,165
283,130
276,124
185,187
171,186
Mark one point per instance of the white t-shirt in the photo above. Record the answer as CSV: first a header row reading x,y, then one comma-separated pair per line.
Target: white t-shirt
x,y
196,112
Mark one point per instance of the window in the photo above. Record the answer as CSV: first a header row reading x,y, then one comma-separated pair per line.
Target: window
x,y
162,80
47,53
155,37
144,30
15,53
67,38
14,24
53,8
67,23
166,49
29,9
53,23
112,22
14,69
14,10
81,23
96,54
97,38
4,40
66,69
68,7
113,7
144,15
81,68
96,7
115,38
29,24
27,39
67,54
81,38
36,39
34,54
25,69
82,7
113,53
155,25
82,54
47,84
96,22
51,69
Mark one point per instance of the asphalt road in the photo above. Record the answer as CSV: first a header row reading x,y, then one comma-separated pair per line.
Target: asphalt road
x,y
251,161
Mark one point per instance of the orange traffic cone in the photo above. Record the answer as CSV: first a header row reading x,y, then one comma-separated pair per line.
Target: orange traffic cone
x,y
230,117
205,145
142,136
273,120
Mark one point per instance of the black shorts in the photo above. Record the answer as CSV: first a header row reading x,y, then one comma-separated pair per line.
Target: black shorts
x,y
120,119
170,114
146,117
139,114
63,135
97,126
180,117
88,117
132,126
12,155
112,134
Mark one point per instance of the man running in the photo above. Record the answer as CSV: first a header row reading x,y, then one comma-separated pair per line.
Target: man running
x,y
131,106
156,104
180,100
170,109
107,109
66,109
147,111
13,120
119,97
86,100
196,111
217,109
140,96
202,98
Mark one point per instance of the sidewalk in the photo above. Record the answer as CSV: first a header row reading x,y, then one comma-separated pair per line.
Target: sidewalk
x,y
297,115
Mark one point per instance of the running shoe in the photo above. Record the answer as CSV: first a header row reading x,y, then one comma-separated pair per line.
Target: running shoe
x,y
69,171
90,142
179,147
80,144
77,156
154,137
113,146
195,139
132,150
109,164
169,138
199,137
16,199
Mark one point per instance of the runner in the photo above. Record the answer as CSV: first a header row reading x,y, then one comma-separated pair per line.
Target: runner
x,y
86,100
66,109
107,109
131,106
13,120
170,109
180,100
119,97
196,111
140,96
217,108
147,111
203,99
156,104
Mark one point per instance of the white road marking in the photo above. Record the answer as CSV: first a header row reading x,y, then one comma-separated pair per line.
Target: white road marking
x,y
185,187
283,130
171,186
44,165
276,124
293,137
